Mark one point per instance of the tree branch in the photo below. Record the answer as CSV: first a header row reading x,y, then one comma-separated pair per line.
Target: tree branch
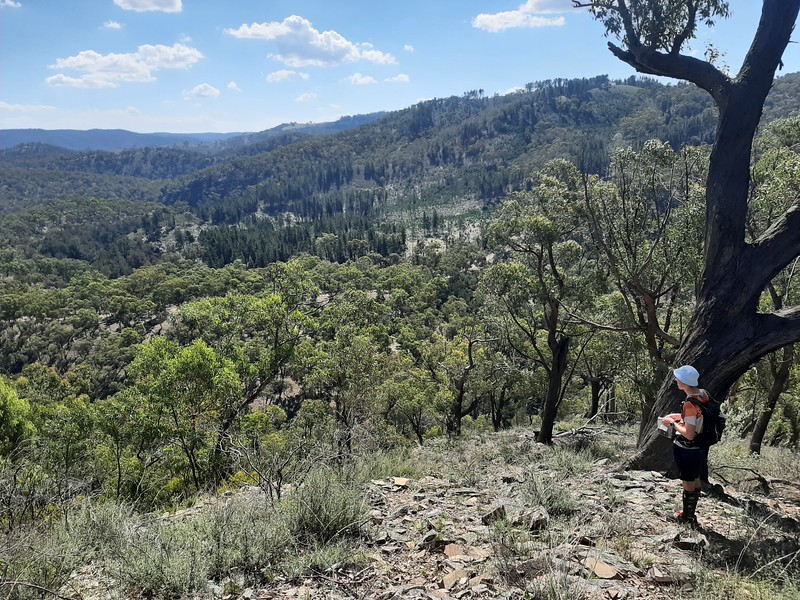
x,y
14,583
780,328
777,246
676,66
684,35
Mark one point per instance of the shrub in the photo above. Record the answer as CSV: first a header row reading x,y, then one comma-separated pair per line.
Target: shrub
x,y
565,459
397,462
549,493
43,556
103,527
166,558
247,537
324,508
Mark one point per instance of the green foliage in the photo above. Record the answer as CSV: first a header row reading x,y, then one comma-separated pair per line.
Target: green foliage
x,y
15,419
161,376
135,372
191,392
329,195
257,335
658,25
42,555
167,559
275,453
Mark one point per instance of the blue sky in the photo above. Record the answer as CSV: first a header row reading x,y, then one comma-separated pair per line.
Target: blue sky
x,y
247,65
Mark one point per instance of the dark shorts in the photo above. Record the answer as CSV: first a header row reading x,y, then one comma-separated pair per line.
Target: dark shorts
x,y
691,462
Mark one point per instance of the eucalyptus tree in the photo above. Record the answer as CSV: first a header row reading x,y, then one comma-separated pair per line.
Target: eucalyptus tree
x,y
258,334
600,364
547,270
15,419
727,332
451,365
407,396
343,372
645,218
502,386
65,423
776,374
275,451
20,476
189,391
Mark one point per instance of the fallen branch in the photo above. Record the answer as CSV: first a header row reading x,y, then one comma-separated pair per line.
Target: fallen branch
x,y
32,586
344,585
765,484
583,430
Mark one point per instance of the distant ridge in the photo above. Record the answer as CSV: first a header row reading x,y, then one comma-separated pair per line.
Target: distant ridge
x,y
113,140
104,139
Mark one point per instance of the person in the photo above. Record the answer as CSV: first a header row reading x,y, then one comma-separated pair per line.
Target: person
x,y
690,459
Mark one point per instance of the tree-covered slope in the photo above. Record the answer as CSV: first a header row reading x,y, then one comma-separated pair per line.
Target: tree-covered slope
x,y
438,159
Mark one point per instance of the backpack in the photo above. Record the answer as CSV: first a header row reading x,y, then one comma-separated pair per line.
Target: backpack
x,y
714,422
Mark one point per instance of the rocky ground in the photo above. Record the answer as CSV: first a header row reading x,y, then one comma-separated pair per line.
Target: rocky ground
x,y
503,519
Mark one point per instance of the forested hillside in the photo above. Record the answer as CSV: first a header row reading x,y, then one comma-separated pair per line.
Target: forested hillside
x,y
446,157
176,322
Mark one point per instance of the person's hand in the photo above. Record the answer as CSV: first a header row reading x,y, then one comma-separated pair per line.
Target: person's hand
x,y
668,421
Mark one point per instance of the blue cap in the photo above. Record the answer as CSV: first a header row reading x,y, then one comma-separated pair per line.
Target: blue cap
x,y
687,374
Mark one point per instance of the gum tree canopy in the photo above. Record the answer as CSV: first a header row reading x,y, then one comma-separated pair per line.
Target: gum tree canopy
x,y
727,333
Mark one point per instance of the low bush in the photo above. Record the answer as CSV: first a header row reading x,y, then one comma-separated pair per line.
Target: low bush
x,y
540,490
324,508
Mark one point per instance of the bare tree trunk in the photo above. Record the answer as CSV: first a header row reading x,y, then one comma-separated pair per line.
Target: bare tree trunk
x,y
497,405
594,386
611,401
558,367
781,368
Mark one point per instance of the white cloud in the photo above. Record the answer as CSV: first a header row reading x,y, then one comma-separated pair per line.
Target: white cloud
x,y
401,78
204,90
110,70
25,108
232,86
359,79
408,48
112,25
10,4
527,15
87,81
307,97
285,74
168,6
546,6
300,45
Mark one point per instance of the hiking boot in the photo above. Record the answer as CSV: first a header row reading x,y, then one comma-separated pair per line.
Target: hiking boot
x,y
687,515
